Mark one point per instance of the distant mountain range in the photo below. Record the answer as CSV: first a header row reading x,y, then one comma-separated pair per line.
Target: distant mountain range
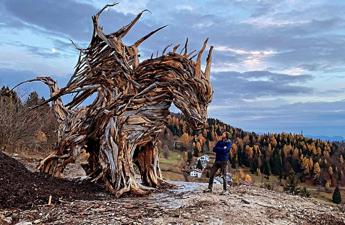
x,y
326,138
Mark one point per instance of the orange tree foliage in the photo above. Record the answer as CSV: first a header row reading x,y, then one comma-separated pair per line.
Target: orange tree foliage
x,y
279,153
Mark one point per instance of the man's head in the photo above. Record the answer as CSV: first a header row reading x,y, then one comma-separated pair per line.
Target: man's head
x,y
226,135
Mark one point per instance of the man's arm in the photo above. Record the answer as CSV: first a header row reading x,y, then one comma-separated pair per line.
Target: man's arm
x,y
228,146
217,148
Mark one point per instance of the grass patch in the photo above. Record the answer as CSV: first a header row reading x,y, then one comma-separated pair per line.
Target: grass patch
x,y
171,167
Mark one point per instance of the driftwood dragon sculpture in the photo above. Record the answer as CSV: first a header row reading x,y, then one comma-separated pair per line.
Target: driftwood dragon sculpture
x,y
130,106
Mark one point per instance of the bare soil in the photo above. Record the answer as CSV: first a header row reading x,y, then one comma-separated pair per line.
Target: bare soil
x,y
21,188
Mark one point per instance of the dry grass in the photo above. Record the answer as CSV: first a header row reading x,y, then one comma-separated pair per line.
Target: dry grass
x,y
171,167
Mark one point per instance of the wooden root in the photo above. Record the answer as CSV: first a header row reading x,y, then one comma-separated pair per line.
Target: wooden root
x,y
147,161
55,164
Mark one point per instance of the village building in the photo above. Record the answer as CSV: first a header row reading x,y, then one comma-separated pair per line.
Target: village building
x,y
204,159
196,173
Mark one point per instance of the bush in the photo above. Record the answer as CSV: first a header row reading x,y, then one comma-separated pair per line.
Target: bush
x,y
292,187
291,184
305,193
267,186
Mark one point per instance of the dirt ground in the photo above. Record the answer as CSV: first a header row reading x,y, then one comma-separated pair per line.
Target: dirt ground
x,y
21,188
186,205
24,195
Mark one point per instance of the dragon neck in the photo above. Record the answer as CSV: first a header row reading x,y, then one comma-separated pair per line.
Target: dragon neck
x,y
166,72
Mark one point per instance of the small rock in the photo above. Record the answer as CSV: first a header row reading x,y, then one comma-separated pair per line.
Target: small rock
x,y
245,201
37,221
24,223
8,220
186,215
7,214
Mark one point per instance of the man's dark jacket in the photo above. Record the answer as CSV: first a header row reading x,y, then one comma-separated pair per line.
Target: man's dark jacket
x,y
222,149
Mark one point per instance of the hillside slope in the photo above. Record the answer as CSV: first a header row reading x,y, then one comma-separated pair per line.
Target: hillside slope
x,y
186,204
314,161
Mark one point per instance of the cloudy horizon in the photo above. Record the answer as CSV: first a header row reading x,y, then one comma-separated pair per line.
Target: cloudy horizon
x,y
278,66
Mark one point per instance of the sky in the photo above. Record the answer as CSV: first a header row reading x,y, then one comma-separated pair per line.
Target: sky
x,y
278,65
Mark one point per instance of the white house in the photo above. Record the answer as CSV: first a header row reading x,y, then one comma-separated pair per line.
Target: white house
x,y
203,160
196,173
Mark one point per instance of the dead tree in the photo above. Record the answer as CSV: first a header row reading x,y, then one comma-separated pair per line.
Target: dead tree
x,y
121,126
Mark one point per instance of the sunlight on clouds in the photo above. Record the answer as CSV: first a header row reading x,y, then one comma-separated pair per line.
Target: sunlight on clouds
x,y
253,59
253,63
224,67
266,22
238,51
250,54
244,66
296,71
184,7
203,24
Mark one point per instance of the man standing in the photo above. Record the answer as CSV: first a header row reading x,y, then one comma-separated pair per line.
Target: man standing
x,y
222,150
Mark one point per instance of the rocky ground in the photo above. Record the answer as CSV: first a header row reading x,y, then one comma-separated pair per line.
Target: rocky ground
x,y
186,204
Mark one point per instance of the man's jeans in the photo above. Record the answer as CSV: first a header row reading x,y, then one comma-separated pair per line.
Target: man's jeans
x,y
222,165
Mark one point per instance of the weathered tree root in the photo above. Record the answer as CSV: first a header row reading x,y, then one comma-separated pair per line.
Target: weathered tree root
x,y
132,103
147,162
55,164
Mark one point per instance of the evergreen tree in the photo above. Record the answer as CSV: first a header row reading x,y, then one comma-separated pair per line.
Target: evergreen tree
x,y
254,164
291,183
33,100
190,156
336,198
199,165
266,169
277,165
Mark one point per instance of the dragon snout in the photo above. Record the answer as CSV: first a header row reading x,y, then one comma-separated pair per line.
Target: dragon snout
x,y
198,123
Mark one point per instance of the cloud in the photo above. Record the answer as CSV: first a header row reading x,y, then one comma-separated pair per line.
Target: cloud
x,y
294,71
66,18
315,118
251,59
12,77
42,51
286,48
257,84
264,52
267,22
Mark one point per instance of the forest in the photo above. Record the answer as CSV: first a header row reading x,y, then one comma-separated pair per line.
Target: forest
x,y
314,161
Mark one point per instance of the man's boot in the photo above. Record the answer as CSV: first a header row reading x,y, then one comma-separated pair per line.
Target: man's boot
x,y
208,190
224,192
